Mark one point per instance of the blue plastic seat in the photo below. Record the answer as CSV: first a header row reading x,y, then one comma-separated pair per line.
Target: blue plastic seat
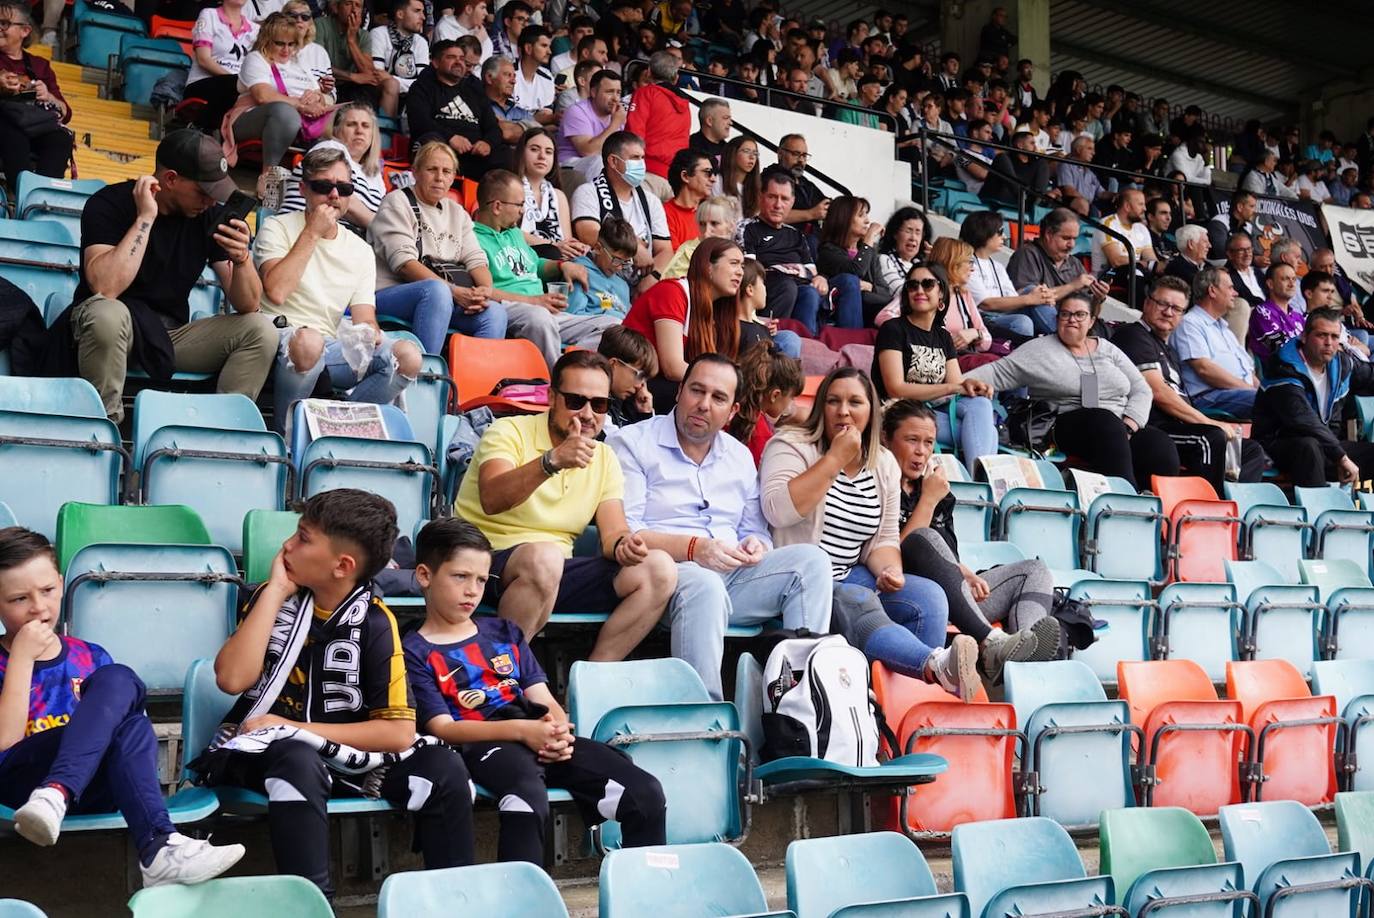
x,y
621,703
35,230
143,61
806,771
1124,535
679,881
1338,529
1158,856
41,268
212,453
56,198
56,430
1024,866
1201,622
17,908
1351,682
227,897
1271,530
1045,524
98,35
973,511
1282,621
1128,609
427,401
1288,861
870,874
980,556
508,888
1364,411
1078,744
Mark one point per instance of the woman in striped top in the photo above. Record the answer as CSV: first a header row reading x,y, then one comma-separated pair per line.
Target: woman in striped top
x,y
831,483
354,130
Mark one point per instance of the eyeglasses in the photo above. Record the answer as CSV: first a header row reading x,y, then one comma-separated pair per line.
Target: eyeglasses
x,y
1076,316
511,203
1241,251
746,151
793,153
600,403
6,23
1166,308
300,17
708,172
618,261
921,283
320,186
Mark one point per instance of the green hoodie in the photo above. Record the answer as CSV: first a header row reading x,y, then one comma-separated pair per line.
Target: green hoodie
x,y
514,265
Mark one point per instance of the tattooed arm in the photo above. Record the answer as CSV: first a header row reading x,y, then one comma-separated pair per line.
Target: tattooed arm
x,y
110,269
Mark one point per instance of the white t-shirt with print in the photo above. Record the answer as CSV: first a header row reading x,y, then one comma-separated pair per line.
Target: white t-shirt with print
x,y
383,57
228,47
299,75
1139,234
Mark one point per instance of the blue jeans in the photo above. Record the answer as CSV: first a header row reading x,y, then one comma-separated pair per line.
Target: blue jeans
x,y
919,606
789,342
846,301
977,429
428,307
1042,317
807,308
380,383
1013,323
1238,403
106,757
792,581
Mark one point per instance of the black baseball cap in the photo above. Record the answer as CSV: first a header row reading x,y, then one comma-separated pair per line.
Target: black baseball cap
x,y
200,158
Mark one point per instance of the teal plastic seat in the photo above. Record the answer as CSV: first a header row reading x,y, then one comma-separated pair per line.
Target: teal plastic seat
x,y
18,908
427,401
1271,530
871,874
1159,855
623,703
1338,529
1283,621
228,897
212,453
56,430
980,556
1351,682
39,267
1024,866
805,772
679,881
35,230
1288,861
156,627
1043,524
1128,609
492,889
144,61
1078,744
1355,826
973,511
1124,535
1201,622
1364,411
39,195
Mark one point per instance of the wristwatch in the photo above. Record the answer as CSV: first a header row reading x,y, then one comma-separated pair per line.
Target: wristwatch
x,y
656,274
546,463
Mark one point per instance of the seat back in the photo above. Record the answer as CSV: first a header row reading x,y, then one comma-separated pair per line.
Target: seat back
x,y
1174,489
264,533
1124,537
973,511
1257,682
999,854
516,888
1043,524
158,628
81,460
1321,499
1205,534
1355,823
225,897
679,881
1338,529
478,364
1295,760
73,397
1200,622
1251,494
1285,622
1250,575
41,268
203,707
154,410
1145,685
36,231
595,688
1344,680
18,908
80,525
979,556
1138,840
1271,530
1331,574
1127,608
33,189
748,701
427,401
406,482
1281,844
825,874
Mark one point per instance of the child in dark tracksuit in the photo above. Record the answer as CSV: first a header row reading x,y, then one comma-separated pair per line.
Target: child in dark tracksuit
x,y
73,734
477,684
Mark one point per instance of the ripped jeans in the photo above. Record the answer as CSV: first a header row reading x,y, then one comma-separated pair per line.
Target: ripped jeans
x,y
381,381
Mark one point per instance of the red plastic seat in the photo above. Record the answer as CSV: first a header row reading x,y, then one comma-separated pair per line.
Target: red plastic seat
x,y
1196,769
1296,761
478,364
1202,529
983,785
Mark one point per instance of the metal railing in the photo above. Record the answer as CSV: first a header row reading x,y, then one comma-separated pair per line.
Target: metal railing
x,y
768,93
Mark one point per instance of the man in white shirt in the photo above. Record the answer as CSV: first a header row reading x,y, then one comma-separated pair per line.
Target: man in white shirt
x,y
579,27
534,91
312,272
400,49
1310,186
617,192
1110,252
1191,157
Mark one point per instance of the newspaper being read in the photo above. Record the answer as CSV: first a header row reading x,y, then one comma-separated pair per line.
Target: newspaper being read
x,y
1007,472
327,418
1089,485
947,463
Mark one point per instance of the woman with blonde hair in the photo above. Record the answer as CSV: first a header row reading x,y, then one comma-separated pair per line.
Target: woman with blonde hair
x,y
353,129
830,482
962,319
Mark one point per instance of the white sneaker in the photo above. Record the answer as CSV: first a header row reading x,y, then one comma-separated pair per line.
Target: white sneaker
x,y
40,819
49,38
189,860
955,667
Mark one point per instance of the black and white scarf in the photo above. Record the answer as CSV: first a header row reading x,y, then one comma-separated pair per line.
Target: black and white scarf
x,y
608,205
402,53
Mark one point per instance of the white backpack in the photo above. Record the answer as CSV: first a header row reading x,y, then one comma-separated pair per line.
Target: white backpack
x,y
816,702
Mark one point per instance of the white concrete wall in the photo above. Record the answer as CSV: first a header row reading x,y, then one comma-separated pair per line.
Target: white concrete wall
x,y
863,159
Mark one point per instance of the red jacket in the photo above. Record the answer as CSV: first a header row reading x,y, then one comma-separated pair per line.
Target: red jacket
x,y
664,119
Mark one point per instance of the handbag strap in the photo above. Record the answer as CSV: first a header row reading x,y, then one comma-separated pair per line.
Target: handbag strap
x,y
281,84
419,223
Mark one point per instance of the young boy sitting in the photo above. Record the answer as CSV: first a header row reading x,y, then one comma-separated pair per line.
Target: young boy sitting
x,y
477,684
607,294
73,735
633,363
325,707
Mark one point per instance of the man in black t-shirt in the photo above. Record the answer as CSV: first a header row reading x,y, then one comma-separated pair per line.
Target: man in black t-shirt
x,y
1201,441
795,288
144,245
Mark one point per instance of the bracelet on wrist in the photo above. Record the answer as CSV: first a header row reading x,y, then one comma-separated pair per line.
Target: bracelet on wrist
x,y
691,547
546,463
616,547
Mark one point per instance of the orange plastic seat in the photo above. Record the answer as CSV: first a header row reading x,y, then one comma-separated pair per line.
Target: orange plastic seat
x,y
981,760
1173,702
1295,731
478,364
801,405
1202,529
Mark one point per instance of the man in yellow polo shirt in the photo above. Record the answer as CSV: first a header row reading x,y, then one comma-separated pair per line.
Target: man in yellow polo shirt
x,y
534,485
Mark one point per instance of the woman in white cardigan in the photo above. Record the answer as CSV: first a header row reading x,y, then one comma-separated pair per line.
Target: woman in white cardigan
x,y
831,483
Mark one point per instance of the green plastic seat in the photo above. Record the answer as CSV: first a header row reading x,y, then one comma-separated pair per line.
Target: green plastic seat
x,y
79,525
264,531
232,897
1355,824
1332,574
1157,854
511,888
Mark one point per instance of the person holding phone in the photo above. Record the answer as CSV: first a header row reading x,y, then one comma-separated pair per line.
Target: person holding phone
x,y
144,245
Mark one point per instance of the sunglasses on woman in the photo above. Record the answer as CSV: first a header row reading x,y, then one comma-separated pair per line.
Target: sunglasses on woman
x,y
922,283
600,403
320,186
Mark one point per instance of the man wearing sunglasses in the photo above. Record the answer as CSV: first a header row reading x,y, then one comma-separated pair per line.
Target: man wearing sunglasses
x,y
312,272
535,483
690,174
692,491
